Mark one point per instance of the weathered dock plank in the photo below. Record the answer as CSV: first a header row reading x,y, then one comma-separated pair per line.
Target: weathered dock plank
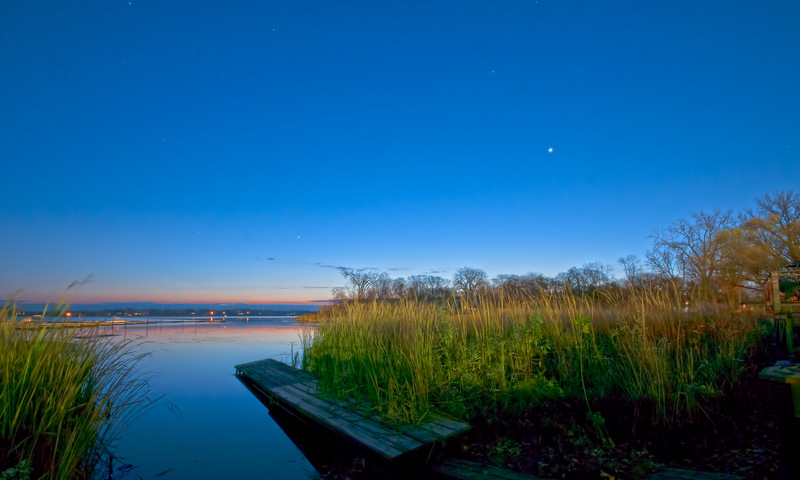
x,y
296,391
683,474
459,469
466,470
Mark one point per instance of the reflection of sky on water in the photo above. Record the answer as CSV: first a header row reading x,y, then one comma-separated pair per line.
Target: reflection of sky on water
x,y
220,429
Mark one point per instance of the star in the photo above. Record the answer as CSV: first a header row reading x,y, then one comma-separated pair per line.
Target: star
x,y
550,150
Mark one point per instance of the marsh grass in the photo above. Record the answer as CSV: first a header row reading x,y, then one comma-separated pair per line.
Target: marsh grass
x,y
65,391
408,358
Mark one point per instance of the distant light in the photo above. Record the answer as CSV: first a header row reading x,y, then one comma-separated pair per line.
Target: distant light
x,y
550,150
69,314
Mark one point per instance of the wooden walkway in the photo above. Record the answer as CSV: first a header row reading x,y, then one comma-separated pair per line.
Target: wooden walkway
x,y
460,469
683,474
296,392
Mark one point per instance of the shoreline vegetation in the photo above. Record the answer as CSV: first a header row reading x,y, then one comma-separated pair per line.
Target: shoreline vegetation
x,y
558,385
584,375
66,392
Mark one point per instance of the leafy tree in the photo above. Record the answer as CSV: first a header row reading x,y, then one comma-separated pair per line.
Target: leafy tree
x,y
765,240
775,226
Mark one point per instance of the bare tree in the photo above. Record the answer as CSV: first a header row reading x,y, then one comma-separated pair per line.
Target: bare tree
x,y
427,286
381,288
468,281
573,279
360,283
588,278
509,285
695,247
597,275
662,261
399,287
632,268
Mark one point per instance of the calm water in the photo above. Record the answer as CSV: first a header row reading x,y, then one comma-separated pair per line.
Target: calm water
x,y
219,429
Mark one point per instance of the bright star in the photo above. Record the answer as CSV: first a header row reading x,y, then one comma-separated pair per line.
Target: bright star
x,y
550,150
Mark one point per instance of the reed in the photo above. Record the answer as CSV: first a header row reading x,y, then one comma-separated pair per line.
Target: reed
x,y
65,393
407,358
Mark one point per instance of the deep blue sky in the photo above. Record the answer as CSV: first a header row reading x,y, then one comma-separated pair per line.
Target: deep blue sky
x,y
236,150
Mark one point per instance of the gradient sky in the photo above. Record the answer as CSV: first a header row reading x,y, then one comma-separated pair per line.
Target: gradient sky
x,y
238,150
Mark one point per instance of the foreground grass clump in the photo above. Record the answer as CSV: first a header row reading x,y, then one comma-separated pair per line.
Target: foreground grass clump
x,y
64,392
641,351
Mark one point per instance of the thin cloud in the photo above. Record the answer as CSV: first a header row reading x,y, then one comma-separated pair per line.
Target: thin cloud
x,y
325,265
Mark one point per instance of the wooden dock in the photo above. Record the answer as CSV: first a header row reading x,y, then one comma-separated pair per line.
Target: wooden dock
x,y
296,392
460,469
683,474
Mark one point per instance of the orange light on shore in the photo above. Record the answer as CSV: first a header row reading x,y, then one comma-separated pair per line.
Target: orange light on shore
x,y
69,314
211,312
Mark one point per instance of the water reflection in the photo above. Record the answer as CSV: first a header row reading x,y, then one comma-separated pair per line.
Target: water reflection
x,y
219,429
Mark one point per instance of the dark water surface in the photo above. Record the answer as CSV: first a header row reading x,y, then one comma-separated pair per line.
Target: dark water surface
x,y
219,429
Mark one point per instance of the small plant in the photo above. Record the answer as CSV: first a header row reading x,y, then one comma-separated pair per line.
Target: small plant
x,y
20,472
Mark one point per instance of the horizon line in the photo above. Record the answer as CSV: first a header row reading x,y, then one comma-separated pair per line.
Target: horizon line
x,y
286,302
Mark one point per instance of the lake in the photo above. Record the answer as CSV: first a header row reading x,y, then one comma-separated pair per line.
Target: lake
x,y
218,429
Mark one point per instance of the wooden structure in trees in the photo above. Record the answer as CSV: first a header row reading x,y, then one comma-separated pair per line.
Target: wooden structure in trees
x,y
782,297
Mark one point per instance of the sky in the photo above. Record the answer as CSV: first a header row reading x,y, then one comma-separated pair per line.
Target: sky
x,y
241,151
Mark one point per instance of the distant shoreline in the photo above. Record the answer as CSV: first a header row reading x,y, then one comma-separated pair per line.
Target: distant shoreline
x,y
56,312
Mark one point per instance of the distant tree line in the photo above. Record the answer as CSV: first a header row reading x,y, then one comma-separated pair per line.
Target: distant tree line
x,y
715,256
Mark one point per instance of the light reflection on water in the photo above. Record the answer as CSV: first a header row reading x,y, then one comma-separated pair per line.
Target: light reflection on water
x,y
220,429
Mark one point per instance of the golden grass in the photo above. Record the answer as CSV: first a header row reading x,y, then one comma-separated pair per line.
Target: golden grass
x,y
408,358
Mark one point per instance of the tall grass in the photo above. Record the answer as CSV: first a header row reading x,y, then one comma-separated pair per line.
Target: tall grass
x,y
64,392
409,358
